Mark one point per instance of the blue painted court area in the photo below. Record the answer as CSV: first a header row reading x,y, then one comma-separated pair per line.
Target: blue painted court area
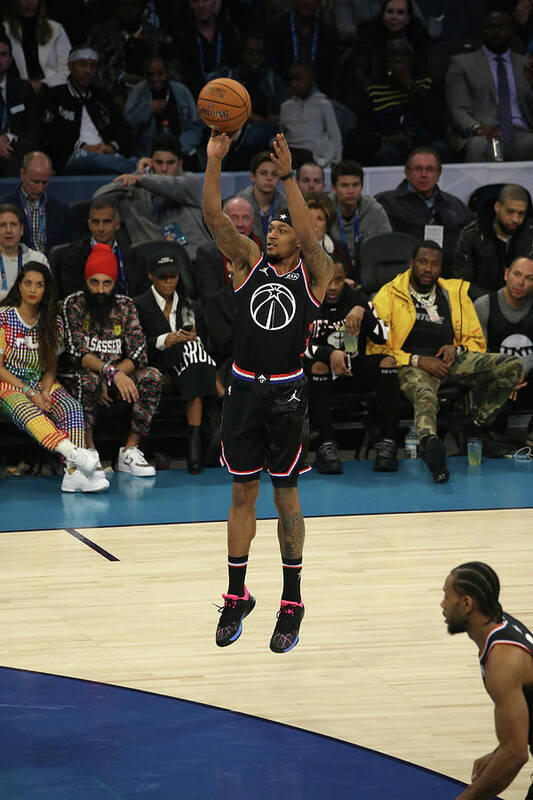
x,y
63,738
30,503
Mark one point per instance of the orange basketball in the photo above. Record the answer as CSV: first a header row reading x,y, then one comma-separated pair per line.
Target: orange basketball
x,y
224,104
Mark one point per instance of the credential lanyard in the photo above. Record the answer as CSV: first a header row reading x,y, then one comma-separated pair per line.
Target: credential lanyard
x,y
218,57
121,268
295,39
356,236
266,218
42,228
3,272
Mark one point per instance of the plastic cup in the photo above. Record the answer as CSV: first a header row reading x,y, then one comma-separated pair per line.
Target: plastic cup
x,y
351,343
474,449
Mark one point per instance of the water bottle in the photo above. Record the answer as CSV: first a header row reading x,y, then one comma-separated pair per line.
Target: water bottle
x,y
496,149
411,443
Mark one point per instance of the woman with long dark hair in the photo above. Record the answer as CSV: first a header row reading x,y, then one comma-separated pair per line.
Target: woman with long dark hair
x,y
30,395
40,45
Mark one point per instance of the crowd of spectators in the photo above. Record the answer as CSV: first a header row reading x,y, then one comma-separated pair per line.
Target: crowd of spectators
x,y
366,81
144,297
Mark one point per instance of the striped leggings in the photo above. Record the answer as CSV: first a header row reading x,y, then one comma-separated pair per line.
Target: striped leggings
x,y
64,421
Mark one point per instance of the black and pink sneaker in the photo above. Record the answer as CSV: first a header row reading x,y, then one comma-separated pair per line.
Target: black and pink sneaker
x,y
232,613
286,633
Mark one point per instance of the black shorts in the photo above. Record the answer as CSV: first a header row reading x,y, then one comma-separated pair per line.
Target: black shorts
x,y
262,426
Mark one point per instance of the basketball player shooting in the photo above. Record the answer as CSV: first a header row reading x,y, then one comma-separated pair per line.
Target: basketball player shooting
x,y
277,295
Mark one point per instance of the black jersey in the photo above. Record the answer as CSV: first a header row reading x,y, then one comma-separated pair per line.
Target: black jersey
x,y
326,330
513,632
274,313
503,336
429,334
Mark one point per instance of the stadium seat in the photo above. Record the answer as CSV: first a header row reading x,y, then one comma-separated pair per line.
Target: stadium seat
x,y
440,54
488,194
78,214
382,256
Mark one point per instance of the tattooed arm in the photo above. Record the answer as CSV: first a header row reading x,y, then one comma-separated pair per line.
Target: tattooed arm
x,y
315,258
241,251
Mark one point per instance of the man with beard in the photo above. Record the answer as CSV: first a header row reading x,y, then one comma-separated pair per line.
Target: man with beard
x,y
83,127
107,349
470,605
501,233
489,97
160,105
435,336
104,227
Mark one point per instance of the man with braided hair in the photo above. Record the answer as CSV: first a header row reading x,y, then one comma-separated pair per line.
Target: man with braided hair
x,y
470,605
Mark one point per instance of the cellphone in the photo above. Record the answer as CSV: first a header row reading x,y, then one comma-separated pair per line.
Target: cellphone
x,y
187,328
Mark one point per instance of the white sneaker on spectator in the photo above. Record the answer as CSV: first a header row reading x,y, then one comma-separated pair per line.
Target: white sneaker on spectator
x,y
85,460
98,470
76,481
132,460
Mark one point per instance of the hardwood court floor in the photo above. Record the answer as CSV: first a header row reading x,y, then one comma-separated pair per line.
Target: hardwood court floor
x,y
375,665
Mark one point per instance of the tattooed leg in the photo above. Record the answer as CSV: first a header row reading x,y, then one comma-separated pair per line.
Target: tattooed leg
x,y
291,526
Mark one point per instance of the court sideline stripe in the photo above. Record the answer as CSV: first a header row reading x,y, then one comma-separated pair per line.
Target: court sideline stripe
x,y
91,544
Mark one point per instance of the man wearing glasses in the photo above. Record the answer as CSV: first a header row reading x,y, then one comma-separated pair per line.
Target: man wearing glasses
x,y
417,205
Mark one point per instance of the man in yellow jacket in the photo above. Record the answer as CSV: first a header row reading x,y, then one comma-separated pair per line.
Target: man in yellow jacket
x,y
435,335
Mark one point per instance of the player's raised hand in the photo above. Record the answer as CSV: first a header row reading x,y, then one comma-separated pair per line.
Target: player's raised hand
x,y
219,144
282,155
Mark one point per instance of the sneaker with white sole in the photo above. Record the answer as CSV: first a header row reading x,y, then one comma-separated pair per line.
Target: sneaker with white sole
x,y
76,481
132,460
98,470
84,460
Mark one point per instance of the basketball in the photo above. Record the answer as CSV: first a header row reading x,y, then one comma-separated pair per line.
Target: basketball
x,y
224,104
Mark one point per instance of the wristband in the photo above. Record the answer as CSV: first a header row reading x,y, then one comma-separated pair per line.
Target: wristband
x,y
414,360
33,393
111,376
287,176
459,350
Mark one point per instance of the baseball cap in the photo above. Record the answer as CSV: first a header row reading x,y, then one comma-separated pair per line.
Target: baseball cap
x,y
163,265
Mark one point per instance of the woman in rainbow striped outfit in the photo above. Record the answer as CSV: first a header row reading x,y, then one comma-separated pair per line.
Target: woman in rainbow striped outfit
x,y
30,395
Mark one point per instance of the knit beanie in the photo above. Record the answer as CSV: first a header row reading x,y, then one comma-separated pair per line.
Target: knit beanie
x,y
101,261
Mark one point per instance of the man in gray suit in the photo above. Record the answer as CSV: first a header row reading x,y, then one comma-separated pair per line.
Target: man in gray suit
x,y
489,97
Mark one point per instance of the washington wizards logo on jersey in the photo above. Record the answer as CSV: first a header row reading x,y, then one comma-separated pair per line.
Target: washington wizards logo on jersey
x,y
272,307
